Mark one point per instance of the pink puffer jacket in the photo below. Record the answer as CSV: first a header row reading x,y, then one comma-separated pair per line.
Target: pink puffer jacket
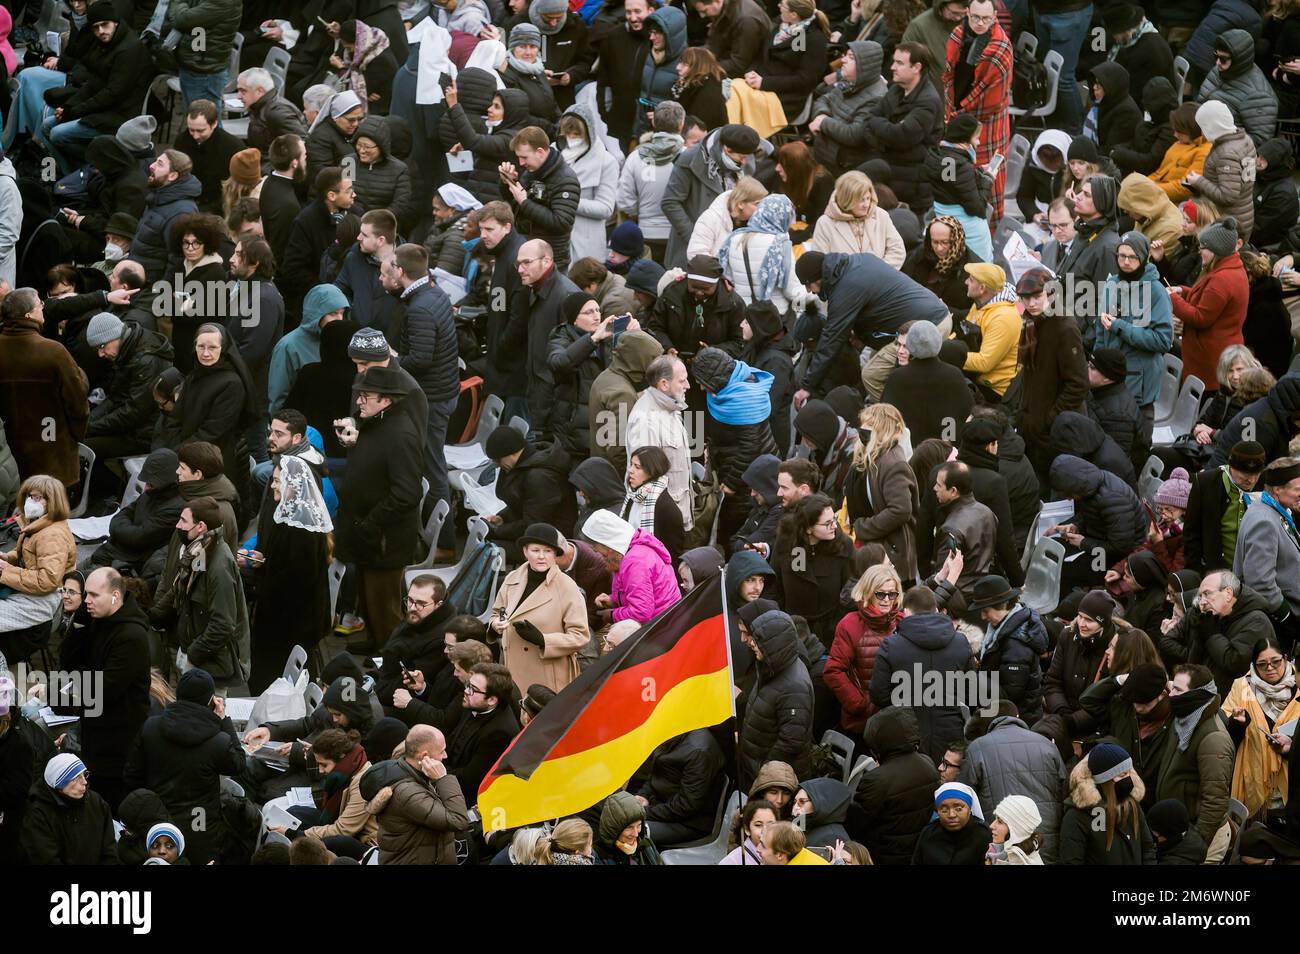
x,y
645,584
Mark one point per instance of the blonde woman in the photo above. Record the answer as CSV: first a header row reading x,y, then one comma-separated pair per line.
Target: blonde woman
x,y
855,222
569,844
881,491
33,571
852,659
728,212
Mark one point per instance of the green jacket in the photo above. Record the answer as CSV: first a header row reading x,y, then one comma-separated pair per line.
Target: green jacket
x,y
213,616
207,30
1199,774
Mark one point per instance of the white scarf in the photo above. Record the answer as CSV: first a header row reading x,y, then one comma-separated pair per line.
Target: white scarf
x,y
639,506
1273,699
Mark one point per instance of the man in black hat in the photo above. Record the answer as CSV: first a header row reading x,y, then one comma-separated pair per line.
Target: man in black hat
x,y
698,310
1112,405
701,174
1014,639
534,484
1216,506
378,524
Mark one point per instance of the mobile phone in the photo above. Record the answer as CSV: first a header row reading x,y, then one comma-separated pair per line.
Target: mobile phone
x,y
620,324
996,163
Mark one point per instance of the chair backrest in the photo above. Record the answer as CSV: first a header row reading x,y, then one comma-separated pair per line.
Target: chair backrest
x,y
232,71
296,663
231,787
1173,370
433,528
277,64
1042,589
86,461
1188,406
1181,68
842,747
335,574
1149,480
1055,64
519,424
314,696
1017,157
490,419
715,850
1027,45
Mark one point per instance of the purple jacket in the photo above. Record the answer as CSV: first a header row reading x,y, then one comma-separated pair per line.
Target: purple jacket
x,y
645,584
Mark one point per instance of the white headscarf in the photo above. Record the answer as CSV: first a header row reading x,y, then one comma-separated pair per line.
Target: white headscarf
x,y
301,504
488,55
963,792
435,59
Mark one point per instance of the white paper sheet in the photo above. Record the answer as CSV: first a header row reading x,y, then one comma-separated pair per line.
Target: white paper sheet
x,y
462,161
273,816
301,796
91,528
52,718
465,457
453,285
239,709
482,500
1018,257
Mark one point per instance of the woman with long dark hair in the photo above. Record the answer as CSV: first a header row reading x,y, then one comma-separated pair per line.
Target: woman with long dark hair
x,y
1103,822
813,559
647,506
1262,700
699,87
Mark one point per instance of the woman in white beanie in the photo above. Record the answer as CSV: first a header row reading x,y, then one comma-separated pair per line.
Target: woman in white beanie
x,y
67,823
1015,837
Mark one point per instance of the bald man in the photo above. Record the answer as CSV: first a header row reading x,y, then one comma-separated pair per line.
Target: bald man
x,y
543,311
421,813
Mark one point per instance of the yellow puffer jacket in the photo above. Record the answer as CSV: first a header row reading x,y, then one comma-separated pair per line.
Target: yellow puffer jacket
x,y
46,550
1157,218
997,360
1179,160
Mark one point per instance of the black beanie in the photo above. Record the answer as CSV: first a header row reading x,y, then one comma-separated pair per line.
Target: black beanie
x,y
1081,147
503,442
961,127
1145,683
809,267
574,303
1169,819
196,685
818,422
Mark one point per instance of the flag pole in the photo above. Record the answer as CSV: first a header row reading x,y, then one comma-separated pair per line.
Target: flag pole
x,y
731,672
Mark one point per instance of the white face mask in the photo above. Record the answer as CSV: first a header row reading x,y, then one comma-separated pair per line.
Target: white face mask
x,y
575,142
33,509
113,252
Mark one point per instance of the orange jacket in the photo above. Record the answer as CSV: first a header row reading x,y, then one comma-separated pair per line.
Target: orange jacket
x,y
1179,160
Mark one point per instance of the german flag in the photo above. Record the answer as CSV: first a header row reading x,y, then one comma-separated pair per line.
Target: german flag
x,y
671,676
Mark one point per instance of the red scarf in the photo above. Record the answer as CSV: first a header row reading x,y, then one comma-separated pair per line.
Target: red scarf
x,y
338,780
877,620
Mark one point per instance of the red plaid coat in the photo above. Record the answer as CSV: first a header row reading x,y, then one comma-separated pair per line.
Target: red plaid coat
x,y
987,101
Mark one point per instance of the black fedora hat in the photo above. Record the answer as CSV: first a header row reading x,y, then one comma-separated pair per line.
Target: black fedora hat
x,y
991,591
544,534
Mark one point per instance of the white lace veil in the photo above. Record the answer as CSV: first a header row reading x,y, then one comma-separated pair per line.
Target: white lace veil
x,y
301,504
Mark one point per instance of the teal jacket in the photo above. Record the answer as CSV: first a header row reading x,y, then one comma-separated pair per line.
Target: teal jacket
x,y
302,345
1143,329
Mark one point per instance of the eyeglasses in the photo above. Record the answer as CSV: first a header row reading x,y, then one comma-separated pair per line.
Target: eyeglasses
x,y
1126,257
529,261
1059,226
1277,663
191,243
945,764
828,524
981,20
883,596
1222,58
417,604
473,690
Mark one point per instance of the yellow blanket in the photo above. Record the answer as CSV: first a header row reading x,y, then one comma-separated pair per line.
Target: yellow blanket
x,y
758,109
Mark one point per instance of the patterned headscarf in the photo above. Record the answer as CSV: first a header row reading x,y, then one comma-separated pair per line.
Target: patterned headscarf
x,y
772,217
371,41
956,251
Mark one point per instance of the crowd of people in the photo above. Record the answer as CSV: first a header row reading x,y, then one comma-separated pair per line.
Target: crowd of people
x,y
765,291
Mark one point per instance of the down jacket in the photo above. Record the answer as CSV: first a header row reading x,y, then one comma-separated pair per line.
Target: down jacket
x,y
1153,136
550,206
1081,843
1226,645
419,818
597,172
923,644
1078,434
778,714
385,183
1243,88
1013,653
733,441
575,361
1228,175
1106,510
848,669
129,411
1011,760
163,206
837,144
893,802
428,342
645,583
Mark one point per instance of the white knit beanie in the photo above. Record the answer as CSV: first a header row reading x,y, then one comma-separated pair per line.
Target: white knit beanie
x,y
1021,815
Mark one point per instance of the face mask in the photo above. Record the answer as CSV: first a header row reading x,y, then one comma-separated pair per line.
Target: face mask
x,y
575,142
33,509
1123,789
112,252
1184,705
625,848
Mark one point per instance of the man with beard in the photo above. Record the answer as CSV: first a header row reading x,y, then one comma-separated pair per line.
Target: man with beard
x,y
418,644
279,200
505,369
172,193
359,277
257,323
1180,746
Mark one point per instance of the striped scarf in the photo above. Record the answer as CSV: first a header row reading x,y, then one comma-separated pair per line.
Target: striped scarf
x,y
639,506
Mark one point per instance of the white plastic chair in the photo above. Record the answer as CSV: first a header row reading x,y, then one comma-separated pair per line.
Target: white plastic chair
x,y
85,456
1173,372
314,696
478,531
715,850
1181,69
842,746
1054,63
295,664
1017,159
1042,590
519,424
1186,409
1149,480
134,485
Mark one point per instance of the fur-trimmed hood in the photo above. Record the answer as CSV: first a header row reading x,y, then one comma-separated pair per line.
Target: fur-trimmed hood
x,y
1084,792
